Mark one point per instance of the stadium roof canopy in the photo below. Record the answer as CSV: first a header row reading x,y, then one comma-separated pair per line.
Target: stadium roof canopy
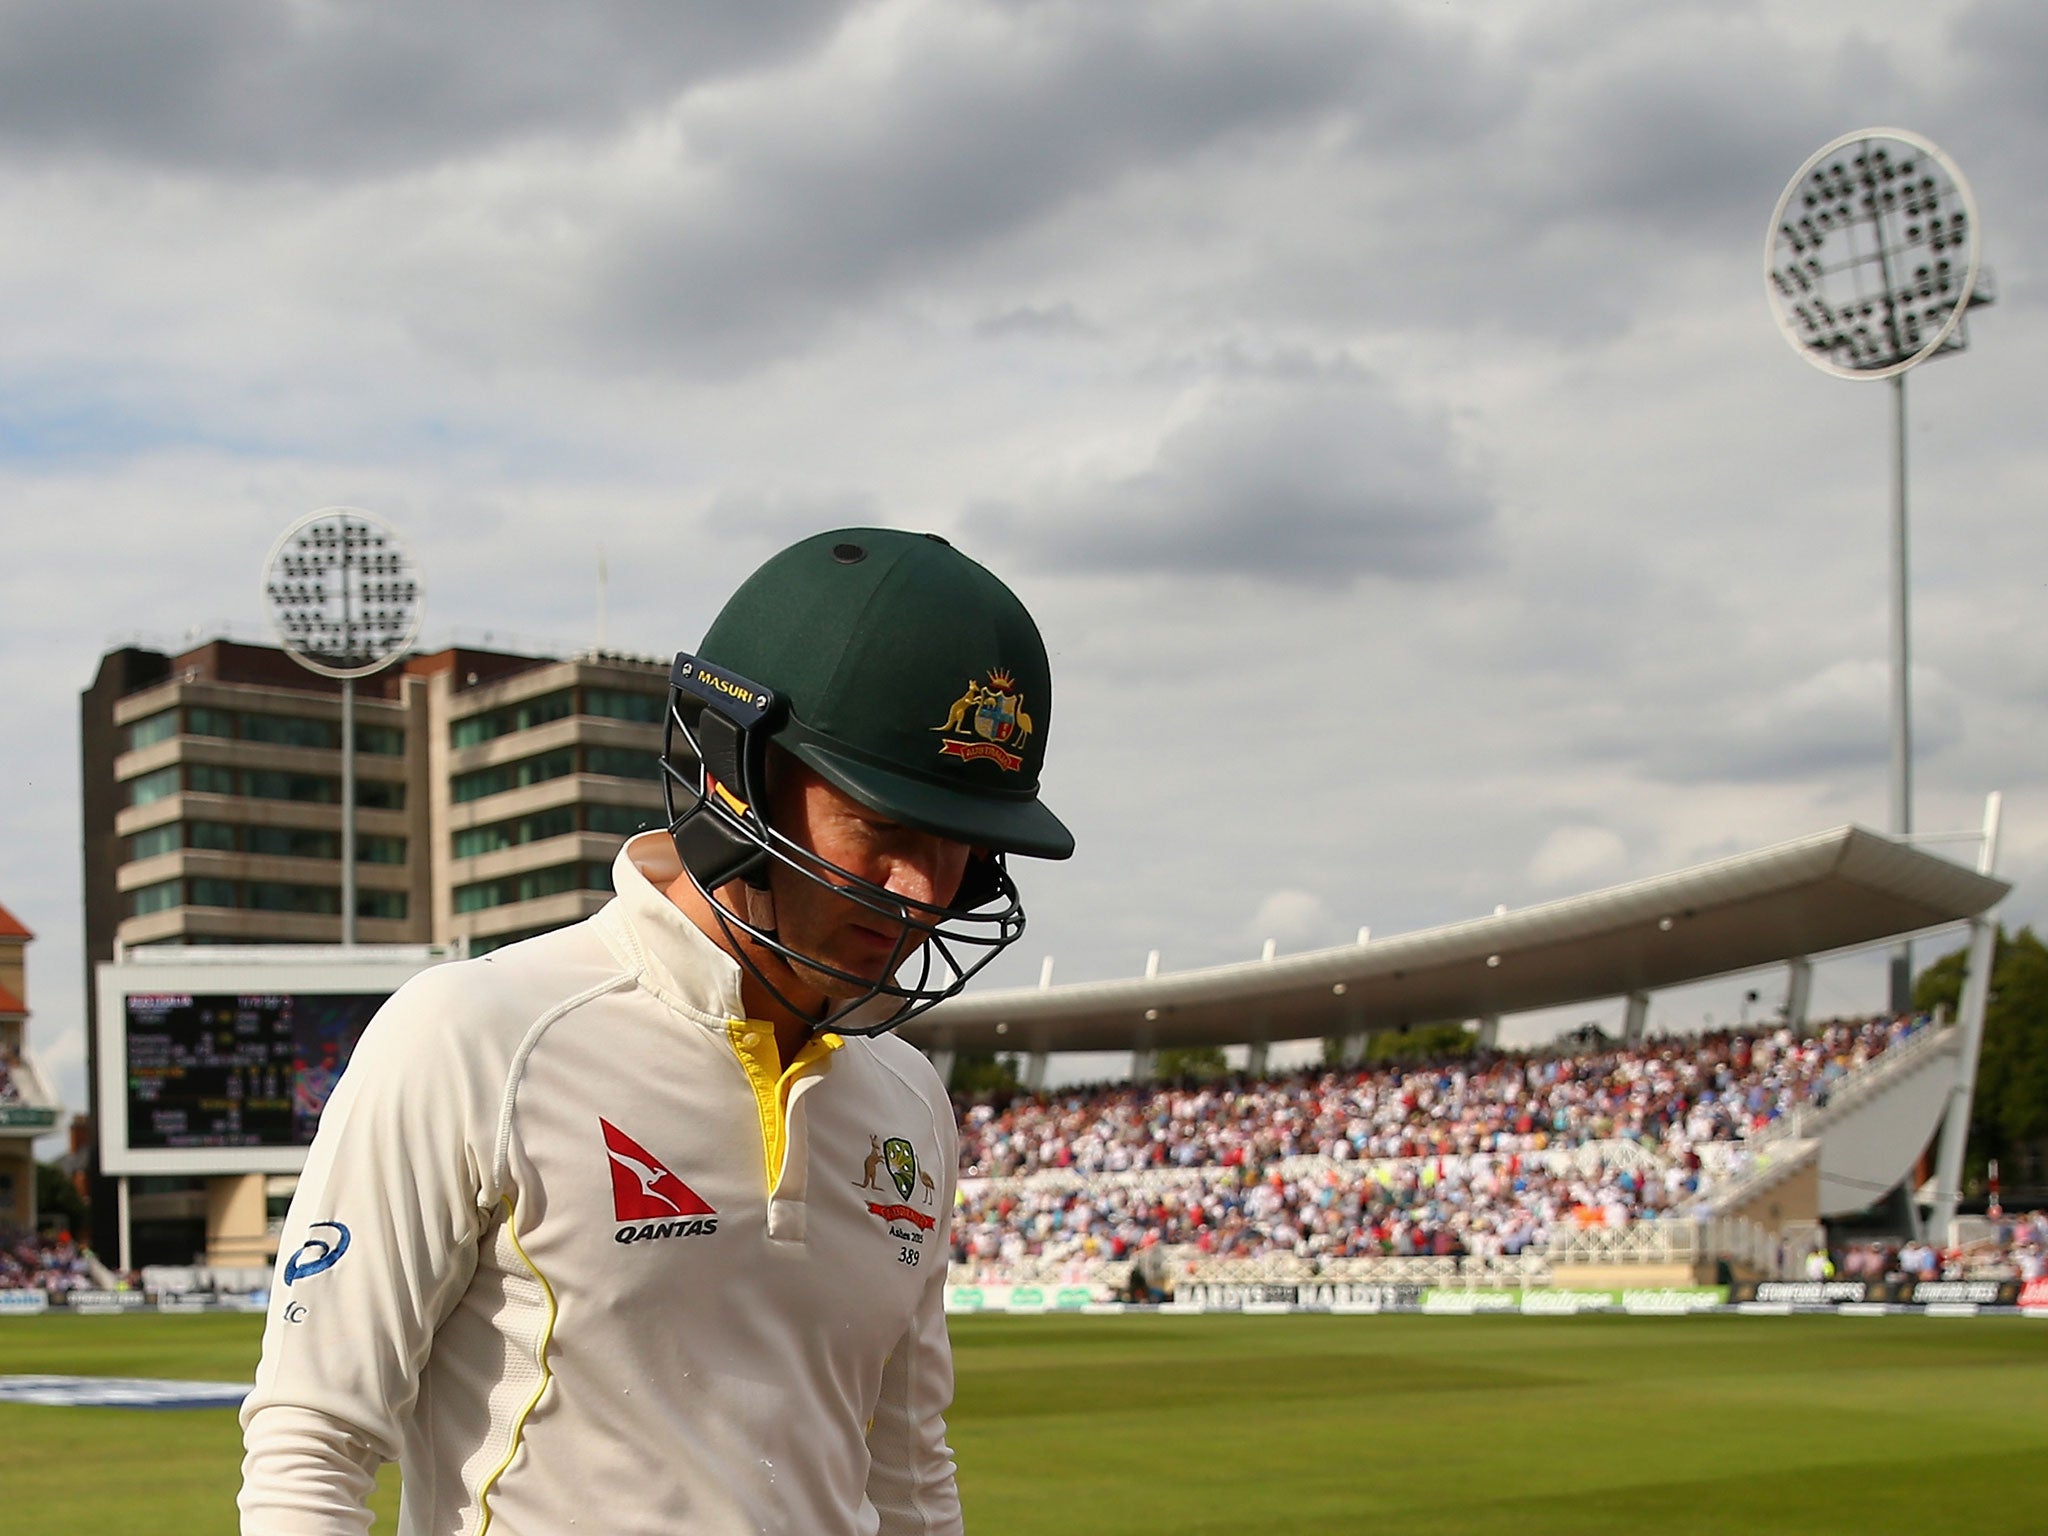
x,y
1840,890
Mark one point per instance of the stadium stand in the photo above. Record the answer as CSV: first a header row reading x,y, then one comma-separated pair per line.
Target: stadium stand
x,y
52,1263
1462,1167
1471,1171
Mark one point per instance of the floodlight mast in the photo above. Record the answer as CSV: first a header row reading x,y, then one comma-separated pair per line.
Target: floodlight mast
x,y
345,604
1870,263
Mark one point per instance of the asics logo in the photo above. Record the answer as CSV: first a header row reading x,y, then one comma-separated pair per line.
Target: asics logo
x,y
317,1253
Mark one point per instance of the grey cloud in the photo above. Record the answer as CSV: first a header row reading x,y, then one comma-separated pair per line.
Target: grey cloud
x,y
1238,359
1695,129
252,85
2006,46
1302,489
1047,320
1995,126
1628,148
777,516
802,201
1833,725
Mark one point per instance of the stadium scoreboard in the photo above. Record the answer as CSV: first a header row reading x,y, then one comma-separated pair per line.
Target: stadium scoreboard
x,y
226,1069
221,1061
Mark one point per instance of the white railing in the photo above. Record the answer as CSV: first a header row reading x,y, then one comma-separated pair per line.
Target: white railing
x,y
1673,1240
1670,1240
1501,1270
1114,1273
1639,1242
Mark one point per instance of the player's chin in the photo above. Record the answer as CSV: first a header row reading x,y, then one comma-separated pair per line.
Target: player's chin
x,y
864,960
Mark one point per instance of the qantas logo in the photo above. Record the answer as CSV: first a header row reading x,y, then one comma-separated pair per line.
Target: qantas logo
x,y
643,1190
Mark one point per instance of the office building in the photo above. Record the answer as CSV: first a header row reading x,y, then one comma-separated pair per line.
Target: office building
x,y
492,792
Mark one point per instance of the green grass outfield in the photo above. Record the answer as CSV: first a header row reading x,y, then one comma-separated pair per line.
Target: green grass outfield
x,y
1439,1426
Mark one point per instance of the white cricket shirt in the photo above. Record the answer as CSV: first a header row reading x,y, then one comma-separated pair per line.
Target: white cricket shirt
x,y
561,1250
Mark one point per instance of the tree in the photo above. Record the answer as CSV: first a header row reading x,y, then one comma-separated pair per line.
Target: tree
x,y
1444,1040
2010,1108
984,1076
1191,1063
57,1200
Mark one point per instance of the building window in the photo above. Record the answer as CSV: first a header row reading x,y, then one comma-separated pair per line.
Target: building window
x,y
211,779
208,892
278,784
160,897
216,835
622,762
156,728
558,822
390,905
514,717
291,731
474,898
619,820
201,721
164,839
557,764
380,794
152,787
484,945
380,740
274,896
617,704
531,886
292,842
473,841
380,850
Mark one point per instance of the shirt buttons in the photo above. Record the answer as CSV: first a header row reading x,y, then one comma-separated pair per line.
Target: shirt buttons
x,y
750,1039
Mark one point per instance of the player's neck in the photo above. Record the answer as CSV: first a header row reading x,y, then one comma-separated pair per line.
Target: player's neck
x,y
792,1027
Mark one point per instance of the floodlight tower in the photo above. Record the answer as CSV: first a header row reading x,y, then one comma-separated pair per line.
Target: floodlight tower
x,y
346,604
1870,262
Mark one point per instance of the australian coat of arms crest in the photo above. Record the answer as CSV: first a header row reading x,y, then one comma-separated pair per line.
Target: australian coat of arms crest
x,y
987,722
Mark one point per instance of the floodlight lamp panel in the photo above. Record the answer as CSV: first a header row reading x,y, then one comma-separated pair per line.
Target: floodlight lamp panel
x,y
333,602
1871,254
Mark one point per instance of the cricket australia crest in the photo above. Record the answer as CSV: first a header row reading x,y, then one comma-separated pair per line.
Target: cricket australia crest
x,y
898,1158
901,1162
987,722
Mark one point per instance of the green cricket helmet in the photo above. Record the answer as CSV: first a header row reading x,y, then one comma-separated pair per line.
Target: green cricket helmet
x,y
909,678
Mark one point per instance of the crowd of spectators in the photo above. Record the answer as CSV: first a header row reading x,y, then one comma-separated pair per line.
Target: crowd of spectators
x,y
2015,1248
1485,1156
50,1262
10,1091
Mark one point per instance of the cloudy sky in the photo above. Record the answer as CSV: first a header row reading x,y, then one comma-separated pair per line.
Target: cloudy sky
x,y
1377,403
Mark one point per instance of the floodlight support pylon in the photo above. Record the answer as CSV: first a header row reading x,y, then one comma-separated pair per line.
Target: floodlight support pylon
x,y
1901,989
348,810
1955,1125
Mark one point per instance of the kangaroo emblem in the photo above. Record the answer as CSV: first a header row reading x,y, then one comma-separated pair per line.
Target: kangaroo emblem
x,y
873,1163
963,708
